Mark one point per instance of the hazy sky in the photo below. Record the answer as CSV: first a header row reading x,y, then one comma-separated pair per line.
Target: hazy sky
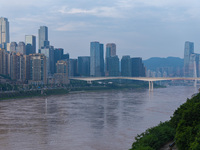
x,y
140,28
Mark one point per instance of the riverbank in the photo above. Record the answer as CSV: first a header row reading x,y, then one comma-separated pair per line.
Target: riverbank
x,y
31,93
183,128
70,89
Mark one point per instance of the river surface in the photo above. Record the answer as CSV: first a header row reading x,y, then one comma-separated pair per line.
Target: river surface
x,y
100,120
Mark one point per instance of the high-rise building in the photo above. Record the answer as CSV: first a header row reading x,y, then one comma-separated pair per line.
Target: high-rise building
x,y
188,50
38,73
30,41
137,67
58,54
73,67
84,66
126,66
21,48
4,32
43,37
61,75
8,47
96,59
48,51
65,57
113,66
20,67
13,47
102,71
13,65
3,62
110,52
27,67
110,49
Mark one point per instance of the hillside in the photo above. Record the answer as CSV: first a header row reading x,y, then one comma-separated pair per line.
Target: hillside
x,y
157,62
183,128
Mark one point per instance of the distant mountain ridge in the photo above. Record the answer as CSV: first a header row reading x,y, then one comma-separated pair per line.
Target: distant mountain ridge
x,y
158,62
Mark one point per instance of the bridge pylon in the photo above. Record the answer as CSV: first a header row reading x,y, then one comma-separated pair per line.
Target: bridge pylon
x,y
150,85
195,83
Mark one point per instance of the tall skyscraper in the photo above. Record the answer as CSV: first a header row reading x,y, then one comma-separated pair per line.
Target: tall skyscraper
x,y
110,49
188,51
4,32
58,54
84,66
113,66
137,67
126,66
96,59
48,51
73,67
110,52
30,41
43,37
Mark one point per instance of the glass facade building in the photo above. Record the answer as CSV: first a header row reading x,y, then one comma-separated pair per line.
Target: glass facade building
x,y
126,66
188,51
84,66
96,59
43,37
4,32
30,41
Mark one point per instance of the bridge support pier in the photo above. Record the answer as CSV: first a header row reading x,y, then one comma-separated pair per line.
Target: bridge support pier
x,y
150,85
89,82
195,83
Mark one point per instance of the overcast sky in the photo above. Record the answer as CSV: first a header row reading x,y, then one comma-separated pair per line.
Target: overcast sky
x,y
140,28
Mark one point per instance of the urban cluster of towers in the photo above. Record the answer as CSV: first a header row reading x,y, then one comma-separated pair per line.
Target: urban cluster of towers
x,y
130,67
50,65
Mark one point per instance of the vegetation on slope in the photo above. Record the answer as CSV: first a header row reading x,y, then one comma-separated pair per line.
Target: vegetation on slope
x,y
184,128
154,137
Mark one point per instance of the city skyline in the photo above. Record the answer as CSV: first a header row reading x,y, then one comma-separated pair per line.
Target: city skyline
x,y
139,28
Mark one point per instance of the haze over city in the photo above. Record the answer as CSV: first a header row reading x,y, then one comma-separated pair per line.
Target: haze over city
x,y
140,28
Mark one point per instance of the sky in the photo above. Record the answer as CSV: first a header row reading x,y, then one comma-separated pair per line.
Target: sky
x,y
139,28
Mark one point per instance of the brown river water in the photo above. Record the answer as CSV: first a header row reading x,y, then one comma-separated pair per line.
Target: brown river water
x,y
100,120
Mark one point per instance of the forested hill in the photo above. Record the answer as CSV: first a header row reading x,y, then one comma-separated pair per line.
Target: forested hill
x,y
157,62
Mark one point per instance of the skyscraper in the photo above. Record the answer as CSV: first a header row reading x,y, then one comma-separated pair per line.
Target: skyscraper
x,y
48,51
126,66
30,41
43,37
61,75
113,66
13,47
110,49
20,67
73,67
58,54
137,67
96,59
21,48
84,66
188,50
38,73
110,52
4,32
3,61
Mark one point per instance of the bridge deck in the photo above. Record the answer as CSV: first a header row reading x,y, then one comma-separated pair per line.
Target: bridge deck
x,y
134,78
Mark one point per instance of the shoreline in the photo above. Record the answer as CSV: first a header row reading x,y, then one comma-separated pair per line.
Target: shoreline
x,y
62,91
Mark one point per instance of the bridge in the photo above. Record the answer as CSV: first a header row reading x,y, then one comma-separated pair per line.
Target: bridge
x,y
149,79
